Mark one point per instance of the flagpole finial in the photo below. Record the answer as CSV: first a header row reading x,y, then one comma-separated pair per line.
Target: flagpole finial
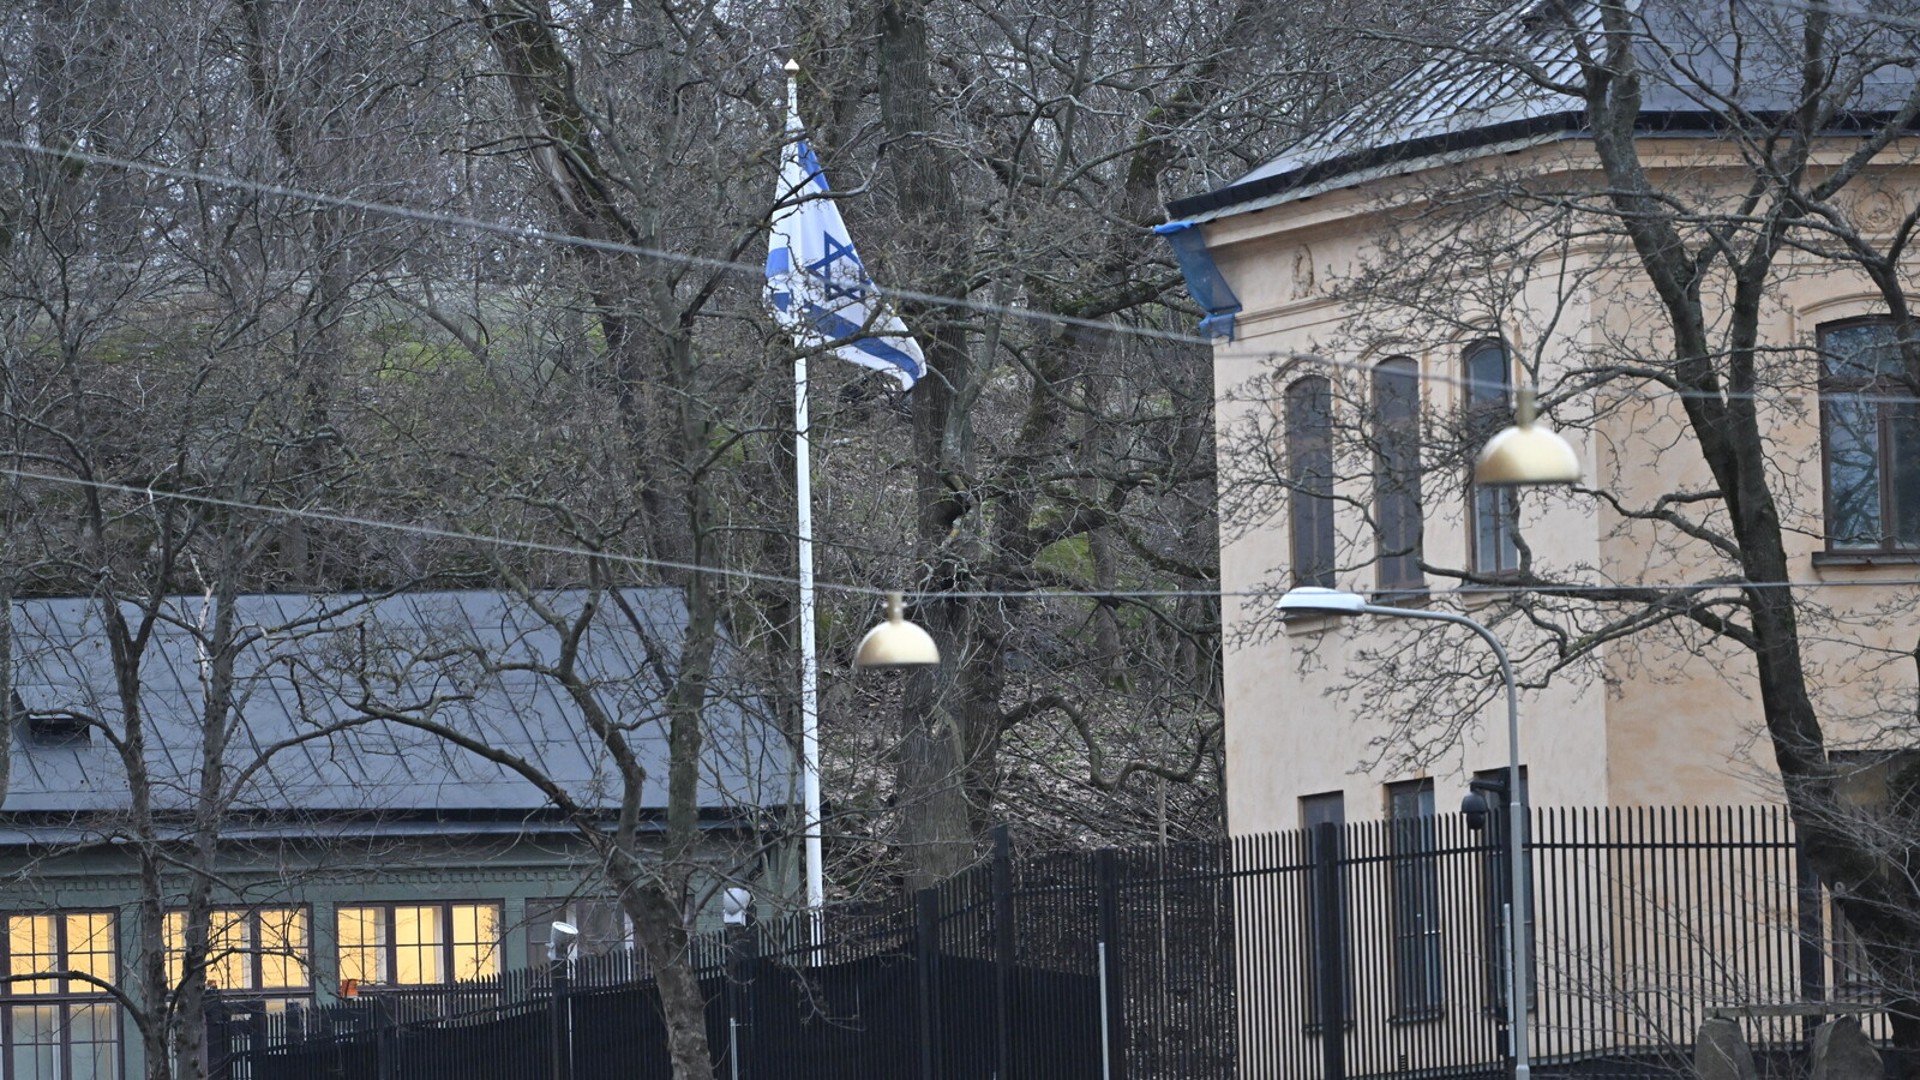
x,y
793,95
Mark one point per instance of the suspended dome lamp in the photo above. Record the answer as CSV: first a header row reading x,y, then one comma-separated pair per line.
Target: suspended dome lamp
x,y
1526,453
896,642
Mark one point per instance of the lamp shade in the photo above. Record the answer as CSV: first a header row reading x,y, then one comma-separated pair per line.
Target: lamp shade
x,y
1526,453
1314,600
896,642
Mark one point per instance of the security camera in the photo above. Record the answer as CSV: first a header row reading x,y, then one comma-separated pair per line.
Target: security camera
x,y
562,936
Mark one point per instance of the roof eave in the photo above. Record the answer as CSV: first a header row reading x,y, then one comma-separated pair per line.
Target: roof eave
x,y
1412,155
1269,190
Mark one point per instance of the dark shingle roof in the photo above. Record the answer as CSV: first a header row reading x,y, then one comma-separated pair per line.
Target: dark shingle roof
x,y
307,659
1698,63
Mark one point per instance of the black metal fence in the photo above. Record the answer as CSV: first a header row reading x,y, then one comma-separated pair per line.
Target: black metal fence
x,y
1373,950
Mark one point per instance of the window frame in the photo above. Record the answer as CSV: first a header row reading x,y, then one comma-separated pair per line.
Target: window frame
x,y
1310,506
1396,483
1497,885
64,1002
299,957
583,912
1418,961
1314,812
388,947
1885,392
1488,555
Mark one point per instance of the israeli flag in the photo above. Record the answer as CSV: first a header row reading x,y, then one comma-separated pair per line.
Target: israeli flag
x,y
818,287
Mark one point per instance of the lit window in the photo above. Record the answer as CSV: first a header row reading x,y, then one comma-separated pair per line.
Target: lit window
x,y
247,948
1496,513
419,944
60,1028
1310,479
1396,473
475,943
1870,425
363,945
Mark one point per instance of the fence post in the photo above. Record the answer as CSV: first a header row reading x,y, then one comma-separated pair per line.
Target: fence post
x,y
1106,876
741,952
1812,934
1329,974
559,1035
219,1038
386,1039
1003,945
927,954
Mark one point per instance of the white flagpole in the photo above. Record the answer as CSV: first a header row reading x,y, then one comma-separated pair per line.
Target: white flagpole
x,y
809,660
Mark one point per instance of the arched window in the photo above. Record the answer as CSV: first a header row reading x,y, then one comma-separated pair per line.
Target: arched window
x,y
1870,431
1396,473
1309,406
1496,514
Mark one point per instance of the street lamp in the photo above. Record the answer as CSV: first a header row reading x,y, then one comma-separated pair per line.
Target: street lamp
x,y
896,642
1526,453
1317,601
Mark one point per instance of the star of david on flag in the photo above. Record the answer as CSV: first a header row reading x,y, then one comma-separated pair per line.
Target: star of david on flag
x,y
816,283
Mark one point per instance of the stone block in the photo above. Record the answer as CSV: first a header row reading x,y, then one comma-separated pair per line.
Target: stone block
x,y
1841,1051
1720,1052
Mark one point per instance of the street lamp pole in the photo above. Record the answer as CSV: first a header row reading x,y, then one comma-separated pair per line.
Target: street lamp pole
x,y
1313,600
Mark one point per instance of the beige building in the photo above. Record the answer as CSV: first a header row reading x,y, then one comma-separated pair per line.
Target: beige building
x,y
1382,292
1388,286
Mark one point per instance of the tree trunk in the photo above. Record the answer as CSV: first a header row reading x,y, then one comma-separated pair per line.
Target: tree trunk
x,y
941,707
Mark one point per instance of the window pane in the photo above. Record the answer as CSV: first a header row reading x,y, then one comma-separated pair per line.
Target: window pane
x,y
283,948
1310,475
1859,352
1903,465
1509,501
1417,983
32,948
1396,396
228,945
1316,810
35,1033
1495,518
174,934
363,939
541,914
1488,375
1853,471
93,1036
476,941
90,948
603,926
1327,809
417,940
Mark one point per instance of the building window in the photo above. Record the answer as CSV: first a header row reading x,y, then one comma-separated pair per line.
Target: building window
x,y
60,1028
261,949
1396,473
1418,992
1496,512
1492,784
1309,406
603,925
1327,809
418,944
1870,426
